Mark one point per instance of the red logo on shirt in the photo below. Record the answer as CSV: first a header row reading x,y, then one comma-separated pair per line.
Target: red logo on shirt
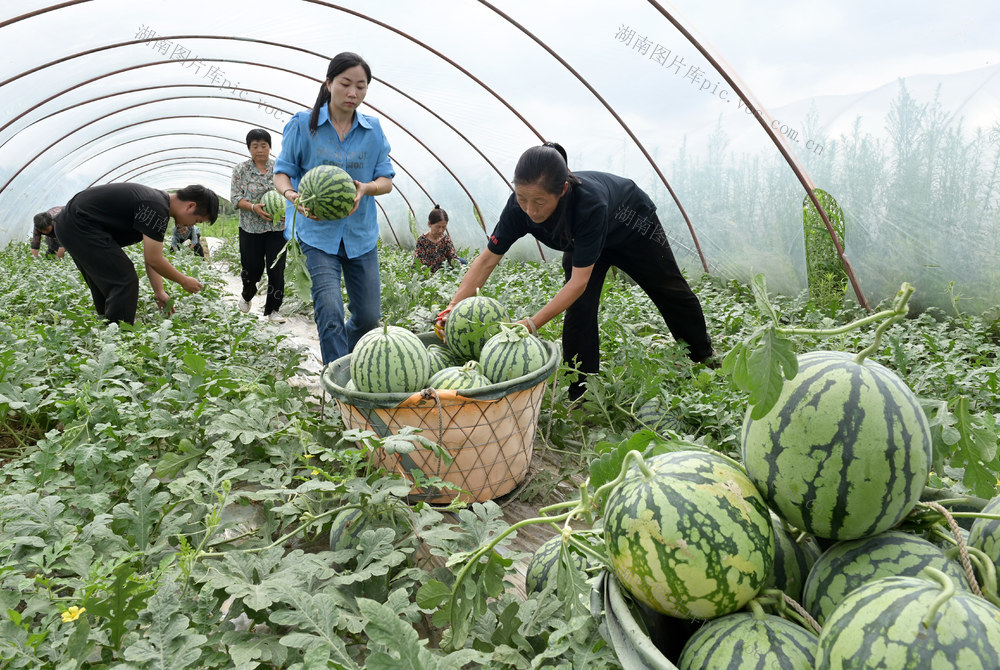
x,y
494,240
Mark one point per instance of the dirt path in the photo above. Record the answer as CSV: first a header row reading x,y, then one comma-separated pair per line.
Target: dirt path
x,y
301,332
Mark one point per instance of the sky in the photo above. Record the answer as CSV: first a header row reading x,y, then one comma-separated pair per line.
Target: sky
x,y
791,50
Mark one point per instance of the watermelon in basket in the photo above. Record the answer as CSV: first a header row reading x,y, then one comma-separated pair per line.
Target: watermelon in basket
x,y
488,431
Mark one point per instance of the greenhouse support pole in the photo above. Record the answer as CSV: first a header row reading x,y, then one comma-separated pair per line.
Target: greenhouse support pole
x,y
763,118
619,119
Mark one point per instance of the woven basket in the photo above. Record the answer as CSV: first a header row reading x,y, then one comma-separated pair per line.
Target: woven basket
x,y
488,431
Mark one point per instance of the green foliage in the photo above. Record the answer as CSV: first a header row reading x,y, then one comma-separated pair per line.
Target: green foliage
x,y
826,274
171,478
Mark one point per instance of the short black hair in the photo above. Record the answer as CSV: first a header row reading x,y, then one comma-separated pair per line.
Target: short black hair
x,y
258,134
42,221
205,199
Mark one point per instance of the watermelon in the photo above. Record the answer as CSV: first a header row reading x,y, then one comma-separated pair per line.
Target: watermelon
x,y
657,414
899,623
389,359
984,534
749,641
845,451
795,553
440,358
328,192
544,564
689,535
274,204
348,525
511,353
468,376
852,563
471,323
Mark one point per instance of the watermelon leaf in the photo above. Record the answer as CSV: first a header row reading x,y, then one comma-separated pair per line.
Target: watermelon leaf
x,y
758,286
760,365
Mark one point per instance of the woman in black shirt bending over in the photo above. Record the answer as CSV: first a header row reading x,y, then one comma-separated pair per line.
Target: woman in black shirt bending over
x,y
598,220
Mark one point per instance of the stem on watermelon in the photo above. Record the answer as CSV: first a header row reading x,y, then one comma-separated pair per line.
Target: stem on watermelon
x,y
987,573
578,508
887,316
584,547
947,591
786,607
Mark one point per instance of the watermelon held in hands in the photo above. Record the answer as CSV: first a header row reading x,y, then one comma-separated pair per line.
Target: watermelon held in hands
x,y
689,535
511,353
327,192
846,450
274,204
471,323
899,623
389,359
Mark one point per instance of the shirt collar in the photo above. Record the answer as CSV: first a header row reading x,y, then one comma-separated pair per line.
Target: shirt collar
x,y
359,118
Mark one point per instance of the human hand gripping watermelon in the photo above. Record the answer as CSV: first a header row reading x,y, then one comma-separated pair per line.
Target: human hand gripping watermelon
x,y
327,193
439,322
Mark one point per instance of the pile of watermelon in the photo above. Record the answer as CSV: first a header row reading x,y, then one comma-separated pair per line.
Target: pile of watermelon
x,y
816,513
480,349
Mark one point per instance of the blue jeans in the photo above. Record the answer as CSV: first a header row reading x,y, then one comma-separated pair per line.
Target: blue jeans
x,y
364,295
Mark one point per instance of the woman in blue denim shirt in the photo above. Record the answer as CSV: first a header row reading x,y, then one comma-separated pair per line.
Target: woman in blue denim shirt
x,y
335,133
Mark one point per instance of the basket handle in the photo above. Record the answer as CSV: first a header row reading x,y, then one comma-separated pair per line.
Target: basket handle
x,y
427,394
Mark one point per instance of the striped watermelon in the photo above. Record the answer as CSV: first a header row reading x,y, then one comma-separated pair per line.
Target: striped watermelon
x,y
511,353
795,553
756,641
847,565
348,525
471,323
328,192
468,376
389,359
657,414
904,623
985,533
440,358
845,451
691,536
544,564
274,204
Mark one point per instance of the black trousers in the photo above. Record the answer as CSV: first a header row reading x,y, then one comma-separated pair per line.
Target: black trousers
x,y
109,273
650,262
257,253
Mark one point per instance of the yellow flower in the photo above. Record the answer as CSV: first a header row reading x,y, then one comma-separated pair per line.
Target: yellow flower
x,y
315,472
307,455
73,613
